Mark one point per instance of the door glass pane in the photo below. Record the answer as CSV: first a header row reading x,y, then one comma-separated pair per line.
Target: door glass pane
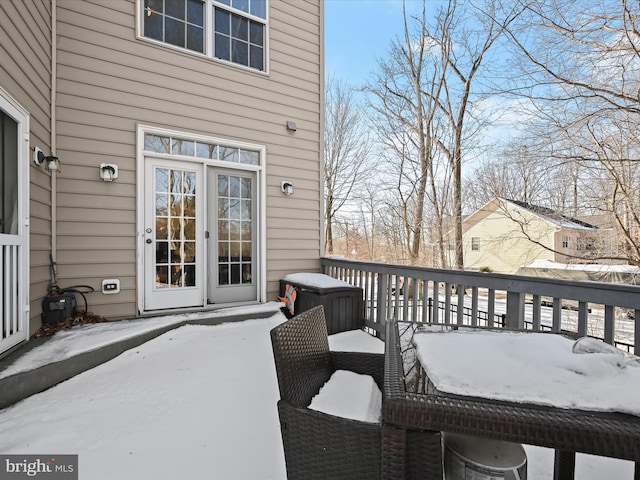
x,y
8,175
190,183
175,211
162,228
189,229
223,252
235,242
234,208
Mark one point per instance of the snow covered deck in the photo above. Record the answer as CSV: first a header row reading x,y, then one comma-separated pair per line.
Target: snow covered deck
x,y
193,403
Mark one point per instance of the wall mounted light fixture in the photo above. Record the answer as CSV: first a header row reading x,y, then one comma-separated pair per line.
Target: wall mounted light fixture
x,y
108,172
287,187
51,163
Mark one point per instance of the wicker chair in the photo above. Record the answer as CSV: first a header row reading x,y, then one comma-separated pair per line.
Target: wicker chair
x,y
318,445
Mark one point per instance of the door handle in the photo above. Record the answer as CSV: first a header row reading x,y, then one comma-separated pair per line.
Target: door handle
x,y
148,240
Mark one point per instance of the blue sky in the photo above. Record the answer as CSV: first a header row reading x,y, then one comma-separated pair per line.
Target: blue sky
x,y
358,32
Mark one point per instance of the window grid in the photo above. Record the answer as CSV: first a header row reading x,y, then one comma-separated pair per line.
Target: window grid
x,y
238,39
177,22
175,234
237,31
235,239
170,145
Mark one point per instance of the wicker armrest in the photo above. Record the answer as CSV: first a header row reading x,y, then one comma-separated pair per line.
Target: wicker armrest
x,y
362,363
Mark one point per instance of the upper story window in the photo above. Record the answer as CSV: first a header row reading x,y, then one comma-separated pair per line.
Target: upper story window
x,y
239,38
475,243
178,22
230,30
565,241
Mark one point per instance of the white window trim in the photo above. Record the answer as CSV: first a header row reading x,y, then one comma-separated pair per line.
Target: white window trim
x,y
261,195
209,33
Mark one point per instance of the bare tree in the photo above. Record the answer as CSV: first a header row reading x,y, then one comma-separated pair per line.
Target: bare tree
x,y
423,98
404,122
346,150
580,67
463,50
514,175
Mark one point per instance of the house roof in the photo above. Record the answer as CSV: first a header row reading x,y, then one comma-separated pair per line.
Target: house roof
x,y
552,216
544,213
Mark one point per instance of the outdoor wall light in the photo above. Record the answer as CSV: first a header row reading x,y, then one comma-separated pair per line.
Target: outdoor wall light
x,y
108,172
287,187
51,163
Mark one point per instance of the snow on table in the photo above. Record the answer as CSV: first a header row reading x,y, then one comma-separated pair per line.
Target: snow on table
x,y
538,368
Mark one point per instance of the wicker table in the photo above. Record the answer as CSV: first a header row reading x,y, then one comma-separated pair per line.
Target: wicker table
x,y
412,423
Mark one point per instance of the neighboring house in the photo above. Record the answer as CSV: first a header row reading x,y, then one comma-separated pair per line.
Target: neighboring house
x,y
504,235
176,125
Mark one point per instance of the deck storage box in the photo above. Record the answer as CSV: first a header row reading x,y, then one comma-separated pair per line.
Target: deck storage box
x,y
343,305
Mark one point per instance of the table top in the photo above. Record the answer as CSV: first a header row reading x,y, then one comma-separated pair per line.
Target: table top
x,y
411,401
528,367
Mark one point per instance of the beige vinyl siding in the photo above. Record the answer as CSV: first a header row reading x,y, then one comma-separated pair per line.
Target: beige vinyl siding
x,y
25,73
503,247
109,82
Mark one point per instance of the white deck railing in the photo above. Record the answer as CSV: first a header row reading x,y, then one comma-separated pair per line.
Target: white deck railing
x,y
12,329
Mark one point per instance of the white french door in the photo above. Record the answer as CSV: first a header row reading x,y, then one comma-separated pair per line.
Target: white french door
x,y
173,234
232,220
200,235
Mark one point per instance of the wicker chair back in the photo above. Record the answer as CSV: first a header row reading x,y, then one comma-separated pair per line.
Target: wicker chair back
x,y
302,356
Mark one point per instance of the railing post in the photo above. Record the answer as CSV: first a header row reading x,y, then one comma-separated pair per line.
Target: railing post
x,y
536,309
515,311
583,316
381,310
460,300
474,306
556,324
447,304
435,313
425,308
491,308
609,323
636,341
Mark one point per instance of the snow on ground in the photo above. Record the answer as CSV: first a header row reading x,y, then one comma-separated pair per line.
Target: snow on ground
x,y
85,338
355,341
196,403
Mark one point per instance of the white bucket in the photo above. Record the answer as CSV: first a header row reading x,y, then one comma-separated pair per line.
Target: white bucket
x,y
473,458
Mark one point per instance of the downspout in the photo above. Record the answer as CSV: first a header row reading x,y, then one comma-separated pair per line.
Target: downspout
x,y
323,219
54,89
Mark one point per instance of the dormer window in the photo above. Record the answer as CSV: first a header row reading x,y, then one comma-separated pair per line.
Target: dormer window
x,y
230,30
